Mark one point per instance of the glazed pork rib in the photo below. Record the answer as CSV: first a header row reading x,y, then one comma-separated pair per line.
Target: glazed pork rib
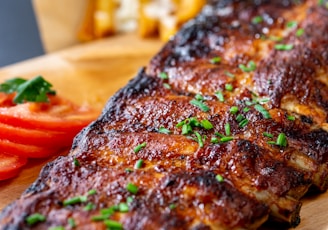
x,y
176,171
225,128
276,49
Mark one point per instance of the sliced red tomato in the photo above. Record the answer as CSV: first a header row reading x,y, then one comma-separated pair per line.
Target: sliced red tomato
x,y
10,165
37,130
57,115
26,151
36,137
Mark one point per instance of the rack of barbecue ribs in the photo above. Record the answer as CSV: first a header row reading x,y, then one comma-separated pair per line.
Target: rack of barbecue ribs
x,y
225,128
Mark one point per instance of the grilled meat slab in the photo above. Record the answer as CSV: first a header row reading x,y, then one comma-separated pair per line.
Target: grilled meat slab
x,y
225,128
295,80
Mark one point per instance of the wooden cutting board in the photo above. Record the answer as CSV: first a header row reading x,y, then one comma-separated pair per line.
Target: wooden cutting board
x,y
90,74
86,74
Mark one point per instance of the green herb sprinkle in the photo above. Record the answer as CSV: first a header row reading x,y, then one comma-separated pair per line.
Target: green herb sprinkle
x,y
139,147
35,218
200,105
139,164
132,188
284,47
219,178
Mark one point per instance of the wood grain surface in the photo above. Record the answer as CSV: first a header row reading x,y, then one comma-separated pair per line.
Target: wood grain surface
x,y
91,73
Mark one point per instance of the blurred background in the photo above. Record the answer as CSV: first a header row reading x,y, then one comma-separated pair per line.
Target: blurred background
x,y
30,28
20,38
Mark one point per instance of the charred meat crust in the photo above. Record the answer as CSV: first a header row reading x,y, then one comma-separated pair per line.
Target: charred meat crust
x,y
297,74
149,113
189,177
198,193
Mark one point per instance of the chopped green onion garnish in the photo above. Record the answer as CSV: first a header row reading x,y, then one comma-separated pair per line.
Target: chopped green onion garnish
x,y
227,129
263,111
200,105
111,224
266,134
172,206
275,38
186,129
76,162
285,47
199,97
214,140
251,66
281,140
199,139
246,109
163,75
219,178
123,207
132,188
215,60
229,74
188,124
100,217
271,142
291,118
234,109
166,85
92,192
35,218
193,122
257,19
206,124
228,87
239,118
109,211
164,130
89,207
139,147
219,95
75,200
291,24
243,123
300,32
249,103
218,134
129,199
128,170
180,124
264,100
226,139
56,228
139,164
254,94
71,222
